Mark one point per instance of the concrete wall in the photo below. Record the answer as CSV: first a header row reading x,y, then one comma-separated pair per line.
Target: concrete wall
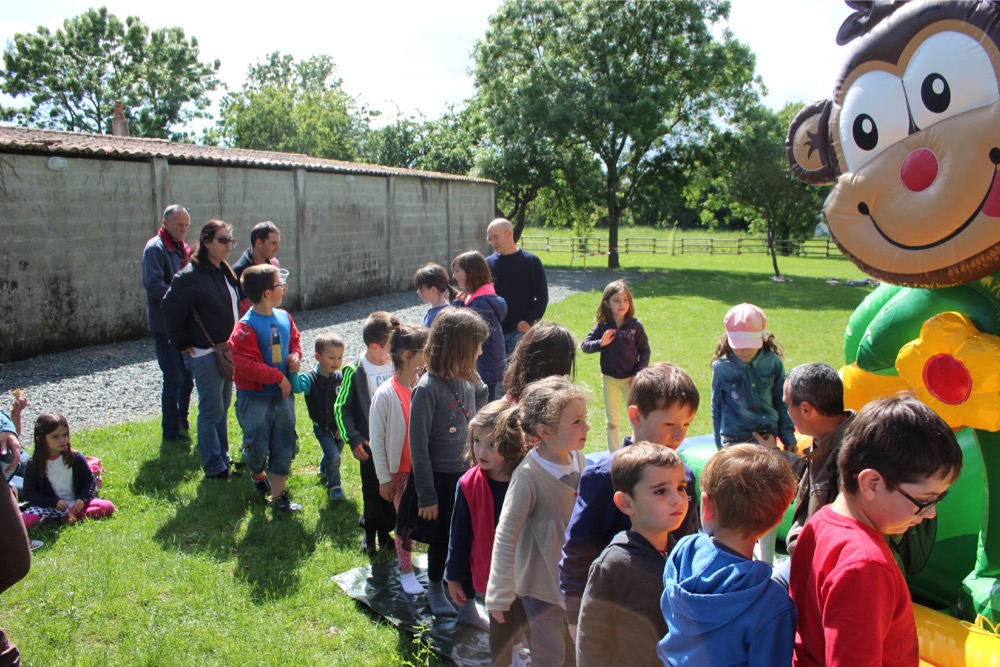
x,y
71,241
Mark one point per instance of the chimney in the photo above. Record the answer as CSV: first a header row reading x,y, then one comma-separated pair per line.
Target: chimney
x,y
119,126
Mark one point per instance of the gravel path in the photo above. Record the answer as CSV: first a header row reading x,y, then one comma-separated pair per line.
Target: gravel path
x,y
120,382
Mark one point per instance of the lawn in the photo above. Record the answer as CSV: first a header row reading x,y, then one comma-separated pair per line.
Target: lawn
x,y
195,571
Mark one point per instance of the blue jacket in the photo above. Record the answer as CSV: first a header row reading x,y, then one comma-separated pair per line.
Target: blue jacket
x,y
748,398
595,522
159,264
493,360
626,354
723,609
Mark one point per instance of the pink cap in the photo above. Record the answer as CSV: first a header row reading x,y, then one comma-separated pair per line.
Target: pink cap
x,y
745,327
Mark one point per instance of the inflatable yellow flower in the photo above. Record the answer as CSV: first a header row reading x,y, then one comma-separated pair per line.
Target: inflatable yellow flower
x,y
955,369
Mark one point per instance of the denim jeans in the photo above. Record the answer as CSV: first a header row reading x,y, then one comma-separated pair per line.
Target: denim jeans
x,y
613,389
214,396
329,464
550,641
177,385
268,424
510,341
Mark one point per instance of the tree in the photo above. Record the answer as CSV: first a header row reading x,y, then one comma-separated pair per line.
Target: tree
x,y
293,107
73,77
745,175
622,79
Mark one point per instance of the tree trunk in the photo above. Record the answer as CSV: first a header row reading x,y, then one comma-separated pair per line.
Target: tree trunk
x,y
771,249
612,197
522,211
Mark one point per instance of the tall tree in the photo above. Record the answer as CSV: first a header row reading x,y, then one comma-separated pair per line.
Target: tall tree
x,y
294,107
73,77
623,79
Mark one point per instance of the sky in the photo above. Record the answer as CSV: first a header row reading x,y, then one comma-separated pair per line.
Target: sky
x,y
409,57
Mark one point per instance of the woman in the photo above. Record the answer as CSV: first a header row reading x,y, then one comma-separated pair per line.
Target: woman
x,y
206,287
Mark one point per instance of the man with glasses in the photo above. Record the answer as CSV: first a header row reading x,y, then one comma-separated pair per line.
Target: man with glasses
x,y
896,462
519,278
166,254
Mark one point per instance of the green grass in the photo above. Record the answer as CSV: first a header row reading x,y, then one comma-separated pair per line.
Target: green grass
x,y
195,571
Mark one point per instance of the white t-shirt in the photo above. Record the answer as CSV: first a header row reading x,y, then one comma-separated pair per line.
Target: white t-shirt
x,y
568,473
376,374
60,477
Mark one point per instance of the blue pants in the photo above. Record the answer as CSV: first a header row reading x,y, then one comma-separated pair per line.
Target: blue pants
x,y
329,465
215,393
177,385
268,424
510,341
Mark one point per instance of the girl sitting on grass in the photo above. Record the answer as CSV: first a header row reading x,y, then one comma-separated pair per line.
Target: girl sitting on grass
x,y
58,482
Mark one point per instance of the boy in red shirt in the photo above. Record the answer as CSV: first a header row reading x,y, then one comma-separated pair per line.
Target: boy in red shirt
x,y
897,460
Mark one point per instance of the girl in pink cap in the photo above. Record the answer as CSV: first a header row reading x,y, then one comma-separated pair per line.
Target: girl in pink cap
x,y
748,380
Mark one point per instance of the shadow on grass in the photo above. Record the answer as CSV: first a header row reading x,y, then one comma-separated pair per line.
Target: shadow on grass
x,y
159,477
730,287
269,554
339,522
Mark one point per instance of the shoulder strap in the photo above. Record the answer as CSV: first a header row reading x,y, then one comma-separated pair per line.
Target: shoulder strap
x,y
202,325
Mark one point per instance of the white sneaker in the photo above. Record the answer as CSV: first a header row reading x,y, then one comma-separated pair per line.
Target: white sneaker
x,y
521,658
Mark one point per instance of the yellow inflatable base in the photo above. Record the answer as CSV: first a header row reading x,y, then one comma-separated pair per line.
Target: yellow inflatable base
x,y
947,642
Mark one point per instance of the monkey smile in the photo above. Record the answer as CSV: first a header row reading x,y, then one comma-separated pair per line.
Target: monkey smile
x,y
990,206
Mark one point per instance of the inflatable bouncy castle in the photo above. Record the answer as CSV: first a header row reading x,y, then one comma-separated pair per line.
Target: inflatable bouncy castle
x,y
910,141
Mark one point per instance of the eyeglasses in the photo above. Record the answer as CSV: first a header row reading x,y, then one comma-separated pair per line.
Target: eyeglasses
x,y
282,285
226,240
922,505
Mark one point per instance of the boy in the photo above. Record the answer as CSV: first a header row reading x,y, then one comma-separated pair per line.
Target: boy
x,y
720,605
620,619
351,410
662,402
320,387
896,463
266,348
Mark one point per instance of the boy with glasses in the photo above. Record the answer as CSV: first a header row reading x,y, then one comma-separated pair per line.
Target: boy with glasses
x,y
897,460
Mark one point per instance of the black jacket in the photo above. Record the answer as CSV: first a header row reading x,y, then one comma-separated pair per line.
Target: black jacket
x,y
203,289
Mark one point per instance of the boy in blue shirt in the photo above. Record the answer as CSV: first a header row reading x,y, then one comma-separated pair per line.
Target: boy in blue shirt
x,y
320,388
266,348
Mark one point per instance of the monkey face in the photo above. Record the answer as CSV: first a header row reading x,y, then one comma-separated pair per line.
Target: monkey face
x,y
916,144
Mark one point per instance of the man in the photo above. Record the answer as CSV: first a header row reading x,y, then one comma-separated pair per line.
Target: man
x,y
519,278
165,254
265,242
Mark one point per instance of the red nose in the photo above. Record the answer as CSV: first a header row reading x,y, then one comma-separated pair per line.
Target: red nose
x,y
919,170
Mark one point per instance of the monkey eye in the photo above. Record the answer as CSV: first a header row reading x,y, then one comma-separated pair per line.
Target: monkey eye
x,y
949,73
873,116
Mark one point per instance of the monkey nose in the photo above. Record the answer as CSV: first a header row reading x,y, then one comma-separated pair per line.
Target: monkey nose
x,y
919,170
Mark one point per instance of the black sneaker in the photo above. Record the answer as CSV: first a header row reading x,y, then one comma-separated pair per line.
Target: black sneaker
x,y
225,474
263,486
283,503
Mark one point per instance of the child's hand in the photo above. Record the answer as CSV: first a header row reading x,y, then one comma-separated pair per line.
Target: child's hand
x,y
77,507
457,592
62,505
497,615
293,362
608,336
387,491
286,387
428,513
359,452
20,402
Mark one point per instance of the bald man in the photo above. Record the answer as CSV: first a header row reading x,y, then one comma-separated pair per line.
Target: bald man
x,y
519,278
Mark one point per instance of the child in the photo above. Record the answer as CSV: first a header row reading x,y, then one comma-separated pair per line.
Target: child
x,y
444,401
476,285
748,379
546,349
620,618
624,348
496,447
319,387
662,402
58,483
389,426
265,344
896,463
352,412
533,521
431,281
720,605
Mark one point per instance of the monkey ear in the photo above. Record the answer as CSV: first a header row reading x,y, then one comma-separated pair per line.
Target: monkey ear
x,y
808,144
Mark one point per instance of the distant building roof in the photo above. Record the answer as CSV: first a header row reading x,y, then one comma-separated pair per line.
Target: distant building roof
x,y
52,142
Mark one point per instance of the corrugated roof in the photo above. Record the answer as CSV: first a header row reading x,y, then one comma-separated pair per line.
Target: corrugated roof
x,y
52,142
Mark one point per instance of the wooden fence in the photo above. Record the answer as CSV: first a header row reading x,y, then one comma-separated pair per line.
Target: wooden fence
x,y
592,246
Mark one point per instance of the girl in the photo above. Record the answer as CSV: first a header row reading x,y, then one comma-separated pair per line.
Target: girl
x,y
431,281
476,285
748,381
546,349
529,537
388,428
624,350
443,402
496,447
58,483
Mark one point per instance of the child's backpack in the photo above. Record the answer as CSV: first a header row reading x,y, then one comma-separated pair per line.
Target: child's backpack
x,y
98,469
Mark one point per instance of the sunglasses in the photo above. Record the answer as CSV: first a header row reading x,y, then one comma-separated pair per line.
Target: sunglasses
x,y
226,240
